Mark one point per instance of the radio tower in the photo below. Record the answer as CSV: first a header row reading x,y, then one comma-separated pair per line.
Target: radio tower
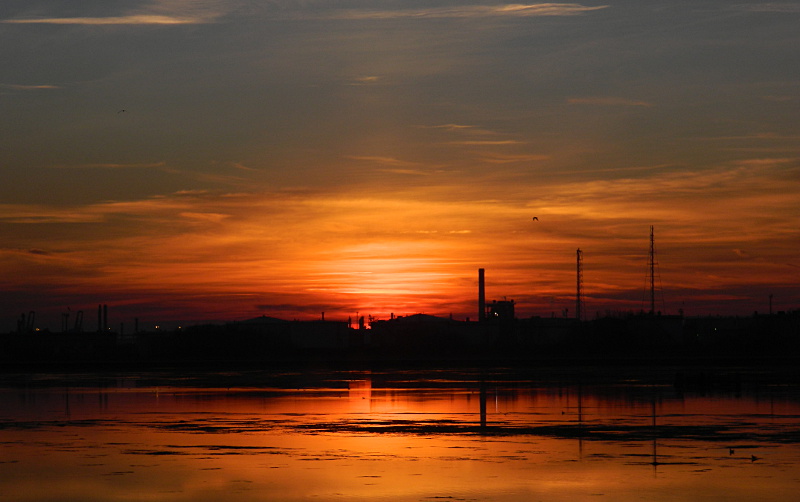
x,y
652,265
578,293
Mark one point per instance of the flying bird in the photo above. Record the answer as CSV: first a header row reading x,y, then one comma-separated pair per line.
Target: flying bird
x,y
535,218
122,111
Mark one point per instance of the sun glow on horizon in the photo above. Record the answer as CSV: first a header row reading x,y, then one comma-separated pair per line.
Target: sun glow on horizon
x,y
344,255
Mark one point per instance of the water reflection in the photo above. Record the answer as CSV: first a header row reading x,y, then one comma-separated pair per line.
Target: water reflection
x,y
400,436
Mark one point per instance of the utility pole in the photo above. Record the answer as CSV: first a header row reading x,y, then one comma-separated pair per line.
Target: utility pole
x,y
481,296
652,265
579,289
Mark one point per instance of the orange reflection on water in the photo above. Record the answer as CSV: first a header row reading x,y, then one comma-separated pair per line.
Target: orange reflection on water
x,y
359,438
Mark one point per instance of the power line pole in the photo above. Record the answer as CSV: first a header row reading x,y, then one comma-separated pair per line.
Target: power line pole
x,y
652,264
481,295
579,289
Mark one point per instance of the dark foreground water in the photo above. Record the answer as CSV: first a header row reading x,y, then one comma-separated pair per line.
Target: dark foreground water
x,y
500,435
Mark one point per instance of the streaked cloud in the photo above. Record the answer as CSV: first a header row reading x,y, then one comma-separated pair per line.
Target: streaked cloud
x,y
488,142
768,162
472,11
158,12
767,136
37,214
392,161
779,7
103,21
608,101
30,87
156,206
366,80
395,166
451,127
112,165
463,130
242,167
205,217
499,158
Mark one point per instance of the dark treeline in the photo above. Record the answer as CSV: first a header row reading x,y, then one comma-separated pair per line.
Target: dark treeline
x,y
420,338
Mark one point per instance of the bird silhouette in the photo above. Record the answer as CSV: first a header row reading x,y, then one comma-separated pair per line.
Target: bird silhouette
x,y
535,218
753,458
122,111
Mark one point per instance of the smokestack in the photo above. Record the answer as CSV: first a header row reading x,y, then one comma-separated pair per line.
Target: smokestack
x,y
105,317
99,318
481,296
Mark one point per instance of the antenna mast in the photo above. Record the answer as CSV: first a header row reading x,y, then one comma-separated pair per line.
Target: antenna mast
x,y
578,293
652,265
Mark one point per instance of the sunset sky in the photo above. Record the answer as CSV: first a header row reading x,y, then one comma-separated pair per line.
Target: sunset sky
x,y
286,158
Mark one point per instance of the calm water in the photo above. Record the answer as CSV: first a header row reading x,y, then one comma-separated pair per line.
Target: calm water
x,y
499,435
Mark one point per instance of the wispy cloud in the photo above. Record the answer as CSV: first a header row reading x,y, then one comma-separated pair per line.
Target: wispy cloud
x,y
112,165
393,165
159,207
392,161
488,142
782,7
463,130
767,162
499,158
159,12
30,213
366,80
99,21
766,136
607,101
451,127
472,11
204,217
21,87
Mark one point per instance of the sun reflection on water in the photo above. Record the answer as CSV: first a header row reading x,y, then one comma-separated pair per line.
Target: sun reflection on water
x,y
375,436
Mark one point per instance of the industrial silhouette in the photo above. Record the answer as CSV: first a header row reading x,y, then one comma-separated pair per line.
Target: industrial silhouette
x,y
497,334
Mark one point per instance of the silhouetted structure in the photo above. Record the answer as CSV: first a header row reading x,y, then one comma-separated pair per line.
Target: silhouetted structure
x,y
481,296
500,311
422,337
497,334
26,324
579,288
651,264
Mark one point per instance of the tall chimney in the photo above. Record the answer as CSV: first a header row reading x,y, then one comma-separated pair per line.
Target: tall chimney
x,y
481,296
